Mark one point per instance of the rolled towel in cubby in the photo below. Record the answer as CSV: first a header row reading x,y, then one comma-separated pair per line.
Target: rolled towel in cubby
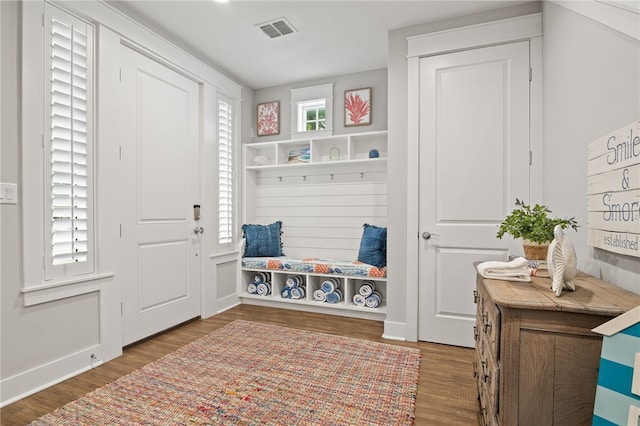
x,y
374,300
294,281
261,277
264,289
297,292
319,295
252,288
329,285
285,293
335,296
339,292
359,300
366,288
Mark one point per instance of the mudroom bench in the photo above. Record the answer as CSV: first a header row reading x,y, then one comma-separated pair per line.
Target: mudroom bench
x,y
309,197
347,288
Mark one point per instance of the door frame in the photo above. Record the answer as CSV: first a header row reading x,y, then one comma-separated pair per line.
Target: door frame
x,y
528,27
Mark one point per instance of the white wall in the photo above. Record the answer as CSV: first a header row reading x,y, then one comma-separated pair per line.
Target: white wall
x,y
402,265
34,336
353,200
591,82
591,87
376,79
47,342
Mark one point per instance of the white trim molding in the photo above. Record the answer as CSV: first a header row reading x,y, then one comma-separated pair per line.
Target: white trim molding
x,y
109,17
63,289
474,36
44,376
394,331
622,16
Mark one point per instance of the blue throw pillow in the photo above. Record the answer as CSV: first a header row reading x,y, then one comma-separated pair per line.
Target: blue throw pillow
x,y
373,246
262,240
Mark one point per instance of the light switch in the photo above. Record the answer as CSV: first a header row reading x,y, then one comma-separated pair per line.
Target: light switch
x,y
8,193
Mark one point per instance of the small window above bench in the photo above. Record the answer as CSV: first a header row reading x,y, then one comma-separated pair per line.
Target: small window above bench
x,y
308,104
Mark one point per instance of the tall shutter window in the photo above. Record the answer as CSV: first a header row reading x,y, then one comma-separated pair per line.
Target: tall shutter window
x,y
68,145
225,172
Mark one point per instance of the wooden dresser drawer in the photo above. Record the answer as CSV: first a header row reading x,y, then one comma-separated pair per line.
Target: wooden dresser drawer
x,y
490,330
488,413
487,323
486,366
491,380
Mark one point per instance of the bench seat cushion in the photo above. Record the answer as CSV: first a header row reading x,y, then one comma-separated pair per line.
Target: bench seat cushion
x,y
314,265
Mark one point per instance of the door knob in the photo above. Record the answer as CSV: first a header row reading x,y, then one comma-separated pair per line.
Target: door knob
x,y
198,230
426,235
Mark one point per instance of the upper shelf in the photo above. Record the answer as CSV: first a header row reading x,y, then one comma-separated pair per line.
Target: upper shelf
x,y
340,149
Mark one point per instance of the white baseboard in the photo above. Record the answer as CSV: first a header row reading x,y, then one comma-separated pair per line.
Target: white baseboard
x,y
394,331
228,303
219,305
29,382
319,308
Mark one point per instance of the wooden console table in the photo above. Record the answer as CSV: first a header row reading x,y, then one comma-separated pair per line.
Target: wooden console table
x,y
536,357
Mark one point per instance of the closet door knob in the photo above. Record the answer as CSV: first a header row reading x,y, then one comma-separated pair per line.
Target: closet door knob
x,y
426,235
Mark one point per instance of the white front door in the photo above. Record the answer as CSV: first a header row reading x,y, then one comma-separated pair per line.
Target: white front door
x,y
474,162
160,169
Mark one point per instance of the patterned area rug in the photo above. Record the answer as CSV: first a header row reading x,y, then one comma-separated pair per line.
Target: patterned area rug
x,y
255,374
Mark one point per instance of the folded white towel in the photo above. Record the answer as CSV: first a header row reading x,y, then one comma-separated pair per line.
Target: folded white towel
x,y
515,270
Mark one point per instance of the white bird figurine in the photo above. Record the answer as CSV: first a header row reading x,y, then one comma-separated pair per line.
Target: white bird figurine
x,y
562,262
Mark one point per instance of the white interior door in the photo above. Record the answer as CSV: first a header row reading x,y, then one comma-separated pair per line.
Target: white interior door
x,y
160,168
474,162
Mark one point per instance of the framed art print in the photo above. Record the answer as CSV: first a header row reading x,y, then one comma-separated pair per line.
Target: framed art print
x,y
268,118
357,107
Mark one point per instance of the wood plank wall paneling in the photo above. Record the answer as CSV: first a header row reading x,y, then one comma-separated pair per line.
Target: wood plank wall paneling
x,y
321,216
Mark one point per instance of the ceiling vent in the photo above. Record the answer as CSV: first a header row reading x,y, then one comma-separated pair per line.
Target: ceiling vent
x,y
277,28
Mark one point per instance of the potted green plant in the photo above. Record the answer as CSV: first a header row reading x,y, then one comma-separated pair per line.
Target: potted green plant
x,y
534,226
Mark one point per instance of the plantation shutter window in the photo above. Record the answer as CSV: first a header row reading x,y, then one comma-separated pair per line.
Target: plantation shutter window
x,y
68,142
225,172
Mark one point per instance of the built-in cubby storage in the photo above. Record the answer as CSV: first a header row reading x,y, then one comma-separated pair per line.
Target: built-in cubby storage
x,y
371,146
322,190
348,286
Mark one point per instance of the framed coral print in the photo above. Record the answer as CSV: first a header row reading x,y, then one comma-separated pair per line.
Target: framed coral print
x,y
357,107
268,118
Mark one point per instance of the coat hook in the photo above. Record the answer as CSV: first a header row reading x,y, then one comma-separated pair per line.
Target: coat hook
x,y
279,178
331,176
304,177
361,175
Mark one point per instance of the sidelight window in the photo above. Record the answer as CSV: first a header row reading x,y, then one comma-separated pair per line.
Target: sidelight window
x,y
68,143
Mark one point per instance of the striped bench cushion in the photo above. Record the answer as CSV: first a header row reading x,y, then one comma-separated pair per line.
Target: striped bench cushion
x,y
314,265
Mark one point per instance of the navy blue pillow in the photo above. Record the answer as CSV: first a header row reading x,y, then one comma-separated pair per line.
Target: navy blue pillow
x,y
373,246
262,240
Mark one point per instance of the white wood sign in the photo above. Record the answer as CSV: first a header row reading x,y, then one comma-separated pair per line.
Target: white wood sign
x,y
613,191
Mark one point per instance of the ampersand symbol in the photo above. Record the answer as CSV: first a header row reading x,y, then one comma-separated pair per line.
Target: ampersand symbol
x,y
625,179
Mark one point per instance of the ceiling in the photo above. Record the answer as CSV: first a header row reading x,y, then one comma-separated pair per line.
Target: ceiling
x,y
333,37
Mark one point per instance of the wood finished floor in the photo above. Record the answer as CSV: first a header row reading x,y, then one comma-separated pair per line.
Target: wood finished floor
x,y
446,390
